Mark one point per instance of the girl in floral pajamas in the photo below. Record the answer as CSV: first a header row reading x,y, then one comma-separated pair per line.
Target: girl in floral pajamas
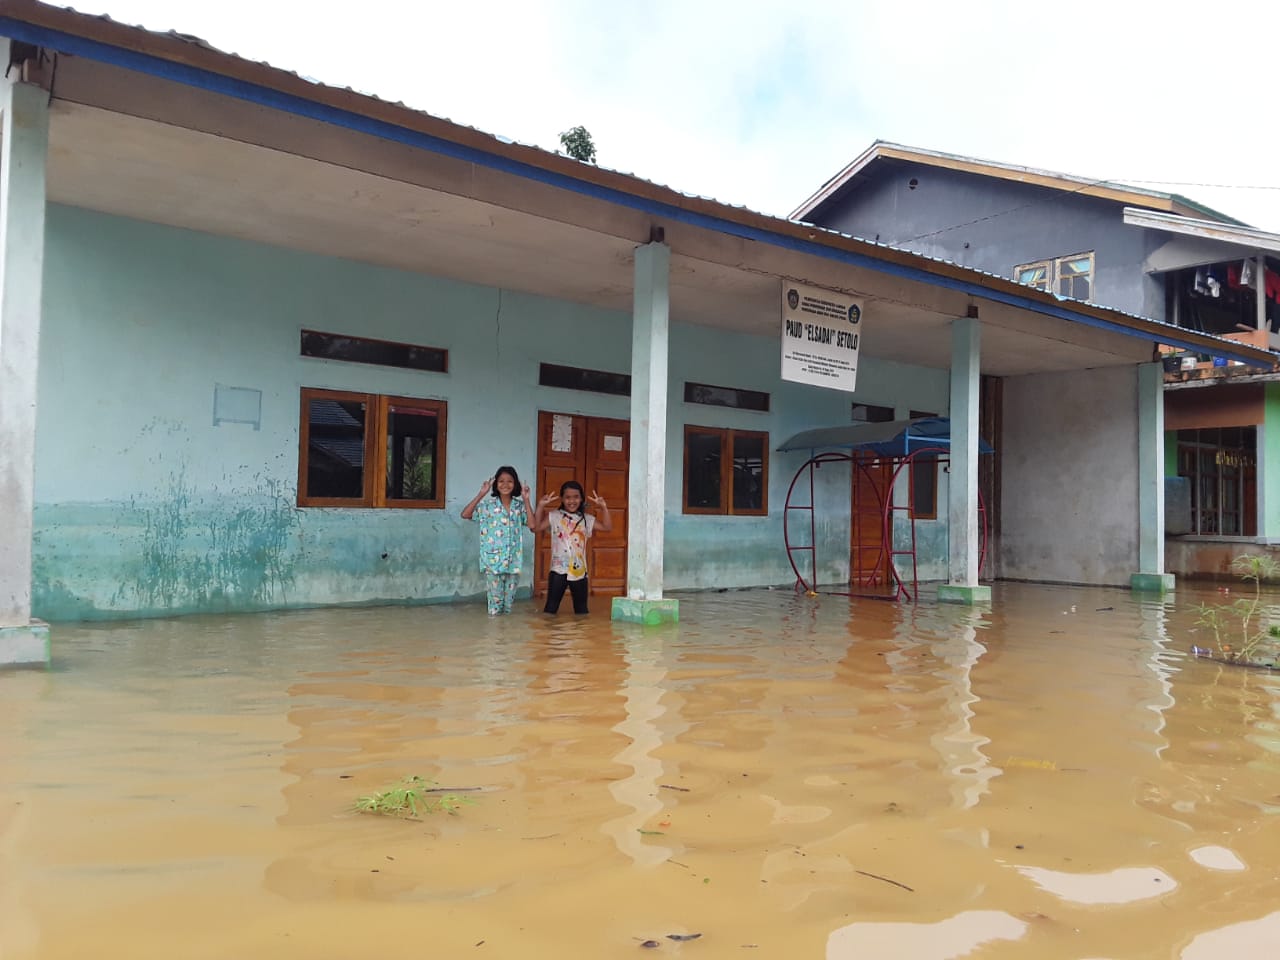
x,y
503,517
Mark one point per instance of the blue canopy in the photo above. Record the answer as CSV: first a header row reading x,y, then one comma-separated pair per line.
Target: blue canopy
x,y
893,438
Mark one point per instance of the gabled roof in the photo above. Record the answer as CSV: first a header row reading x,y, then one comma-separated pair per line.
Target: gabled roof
x,y
1102,189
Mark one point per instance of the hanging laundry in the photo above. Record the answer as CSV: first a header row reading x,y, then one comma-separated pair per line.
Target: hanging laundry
x,y
1246,273
1272,283
1199,285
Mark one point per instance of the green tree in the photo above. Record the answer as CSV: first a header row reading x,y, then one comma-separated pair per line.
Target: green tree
x,y
578,144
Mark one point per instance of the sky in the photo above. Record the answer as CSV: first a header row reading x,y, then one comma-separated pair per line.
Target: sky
x,y
759,102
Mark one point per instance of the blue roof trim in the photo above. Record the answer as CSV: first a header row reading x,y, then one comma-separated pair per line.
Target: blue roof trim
x,y
300,106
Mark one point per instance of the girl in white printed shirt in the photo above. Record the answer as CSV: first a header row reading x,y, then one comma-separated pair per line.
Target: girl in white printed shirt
x,y
571,527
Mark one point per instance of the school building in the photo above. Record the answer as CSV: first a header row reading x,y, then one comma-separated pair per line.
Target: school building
x,y
262,339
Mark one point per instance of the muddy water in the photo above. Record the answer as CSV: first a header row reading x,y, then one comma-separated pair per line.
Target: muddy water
x,y
786,777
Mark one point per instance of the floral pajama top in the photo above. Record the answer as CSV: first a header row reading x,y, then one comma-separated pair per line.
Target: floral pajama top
x,y
501,534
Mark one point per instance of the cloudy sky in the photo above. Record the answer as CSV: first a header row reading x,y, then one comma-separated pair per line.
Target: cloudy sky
x,y
757,102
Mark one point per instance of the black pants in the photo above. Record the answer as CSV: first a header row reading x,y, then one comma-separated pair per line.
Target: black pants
x,y
556,582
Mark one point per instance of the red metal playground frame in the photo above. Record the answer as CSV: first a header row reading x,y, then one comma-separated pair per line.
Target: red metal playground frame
x,y
861,461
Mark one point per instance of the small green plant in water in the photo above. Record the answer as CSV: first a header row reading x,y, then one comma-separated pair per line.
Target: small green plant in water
x,y
1236,635
409,798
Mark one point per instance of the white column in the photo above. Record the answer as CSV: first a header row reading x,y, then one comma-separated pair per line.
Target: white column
x,y
1150,468
24,145
962,489
646,493
1260,291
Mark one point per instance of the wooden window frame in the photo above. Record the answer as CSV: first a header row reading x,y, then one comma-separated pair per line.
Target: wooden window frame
x,y
1048,274
1057,274
377,410
1053,272
726,508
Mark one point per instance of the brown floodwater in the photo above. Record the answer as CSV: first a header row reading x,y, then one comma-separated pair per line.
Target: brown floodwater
x,y
788,777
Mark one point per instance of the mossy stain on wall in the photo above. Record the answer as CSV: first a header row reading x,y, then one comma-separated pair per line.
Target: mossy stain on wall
x,y
195,556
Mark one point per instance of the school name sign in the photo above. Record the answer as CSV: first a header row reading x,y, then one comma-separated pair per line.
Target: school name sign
x,y
821,330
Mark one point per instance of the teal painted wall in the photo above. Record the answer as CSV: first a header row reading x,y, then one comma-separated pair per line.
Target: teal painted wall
x,y
1269,464
145,507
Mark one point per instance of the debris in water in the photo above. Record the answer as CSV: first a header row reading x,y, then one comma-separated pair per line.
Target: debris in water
x,y
876,876
650,944
682,937
669,786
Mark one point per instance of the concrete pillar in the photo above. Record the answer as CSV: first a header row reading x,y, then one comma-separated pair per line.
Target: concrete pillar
x,y
24,147
1260,290
962,487
1150,575
646,490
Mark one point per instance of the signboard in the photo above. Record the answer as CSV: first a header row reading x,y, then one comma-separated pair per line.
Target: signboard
x,y
821,330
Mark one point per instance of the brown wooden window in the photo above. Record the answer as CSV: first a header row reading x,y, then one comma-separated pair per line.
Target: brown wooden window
x,y
368,450
726,471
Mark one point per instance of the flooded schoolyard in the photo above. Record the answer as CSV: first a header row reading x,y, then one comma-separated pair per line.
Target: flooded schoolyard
x,y
1055,777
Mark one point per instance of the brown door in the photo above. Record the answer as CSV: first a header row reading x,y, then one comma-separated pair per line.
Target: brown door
x,y
595,452
868,554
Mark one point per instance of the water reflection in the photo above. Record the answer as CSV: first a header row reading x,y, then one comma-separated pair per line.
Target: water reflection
x,y
789,777
643,692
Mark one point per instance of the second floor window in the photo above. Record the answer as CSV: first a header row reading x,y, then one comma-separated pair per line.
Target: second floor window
x,y
1067,276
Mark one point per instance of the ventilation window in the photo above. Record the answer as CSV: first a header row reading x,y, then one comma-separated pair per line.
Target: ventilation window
x,y
578,378
382,353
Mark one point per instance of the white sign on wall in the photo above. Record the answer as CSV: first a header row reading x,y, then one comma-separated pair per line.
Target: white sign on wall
x,y
821,331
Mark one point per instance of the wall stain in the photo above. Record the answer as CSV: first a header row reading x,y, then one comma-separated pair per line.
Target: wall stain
x,y
195,557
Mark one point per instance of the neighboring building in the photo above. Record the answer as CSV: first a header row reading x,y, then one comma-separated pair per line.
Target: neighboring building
x,y
286,330
1154,254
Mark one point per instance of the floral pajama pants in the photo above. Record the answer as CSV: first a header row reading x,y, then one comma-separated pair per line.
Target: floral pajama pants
x,y
501,588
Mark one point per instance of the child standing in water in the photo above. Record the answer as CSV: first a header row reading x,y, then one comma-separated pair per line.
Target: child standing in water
x,y
571,527
503,516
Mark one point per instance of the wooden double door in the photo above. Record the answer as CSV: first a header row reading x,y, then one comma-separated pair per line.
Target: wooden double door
x,y
596,452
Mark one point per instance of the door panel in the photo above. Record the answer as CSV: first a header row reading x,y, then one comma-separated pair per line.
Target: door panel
x,y
608,452
560,451
868,558
595,452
